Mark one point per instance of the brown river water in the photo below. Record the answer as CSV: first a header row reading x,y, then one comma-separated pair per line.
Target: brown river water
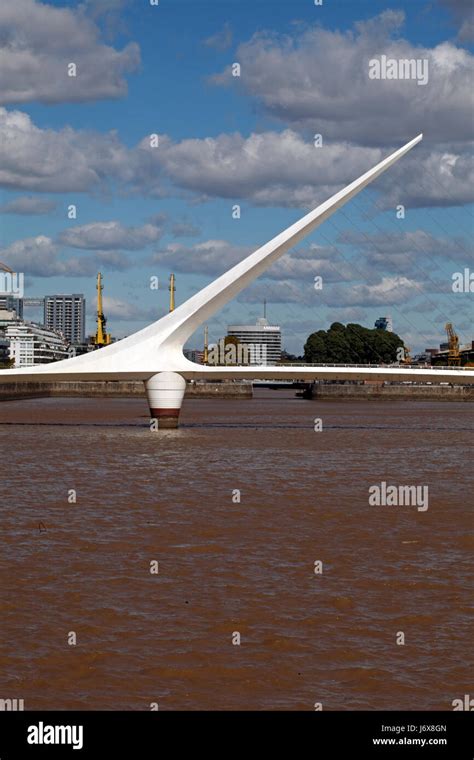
x,y
228,567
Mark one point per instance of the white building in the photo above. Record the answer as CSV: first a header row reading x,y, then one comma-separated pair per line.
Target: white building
x,y
7,317
11,303
34,344
263,340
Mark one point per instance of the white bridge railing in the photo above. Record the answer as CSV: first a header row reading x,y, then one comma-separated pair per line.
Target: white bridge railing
x,y
376,366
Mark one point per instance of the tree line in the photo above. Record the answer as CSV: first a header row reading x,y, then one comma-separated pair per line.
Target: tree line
x,y
352,344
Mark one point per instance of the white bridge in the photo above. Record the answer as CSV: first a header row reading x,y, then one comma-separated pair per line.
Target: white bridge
x,y
155,354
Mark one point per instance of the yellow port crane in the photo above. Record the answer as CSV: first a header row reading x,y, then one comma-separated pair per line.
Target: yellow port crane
x,y
205,359
172,290
407,355
454,359
102,337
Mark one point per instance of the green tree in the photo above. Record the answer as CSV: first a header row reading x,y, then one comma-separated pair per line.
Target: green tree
x,y
352,344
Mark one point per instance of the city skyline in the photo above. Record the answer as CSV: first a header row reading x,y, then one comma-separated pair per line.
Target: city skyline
x,y
383,322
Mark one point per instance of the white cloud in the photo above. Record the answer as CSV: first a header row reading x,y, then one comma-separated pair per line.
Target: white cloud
x,y
317,80
108,235
221,40
306,263
34,256
54,161
388,291
216,256
120,310
185,229
412,253
438,177
269,168
283,291
38,41
40,256
210,257
284,169
27,204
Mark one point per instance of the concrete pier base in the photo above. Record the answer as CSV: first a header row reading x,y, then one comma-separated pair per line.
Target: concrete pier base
x,y
165,393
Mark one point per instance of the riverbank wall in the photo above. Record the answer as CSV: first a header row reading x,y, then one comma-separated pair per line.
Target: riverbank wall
x,y
391,392
117,389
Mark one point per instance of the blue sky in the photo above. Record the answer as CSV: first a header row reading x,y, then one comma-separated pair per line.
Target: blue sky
x,y
245,140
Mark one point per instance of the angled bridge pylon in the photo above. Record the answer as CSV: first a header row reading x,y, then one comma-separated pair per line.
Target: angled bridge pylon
x,y
155,354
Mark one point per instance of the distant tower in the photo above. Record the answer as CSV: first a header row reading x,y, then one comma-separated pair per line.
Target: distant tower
x,y
206,345
102,337
172,289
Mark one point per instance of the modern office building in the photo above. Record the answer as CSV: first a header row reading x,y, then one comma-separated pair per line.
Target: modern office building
x,y
263,340
4,350
79,349
11,303
32,344
67,314
384,323
194,355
